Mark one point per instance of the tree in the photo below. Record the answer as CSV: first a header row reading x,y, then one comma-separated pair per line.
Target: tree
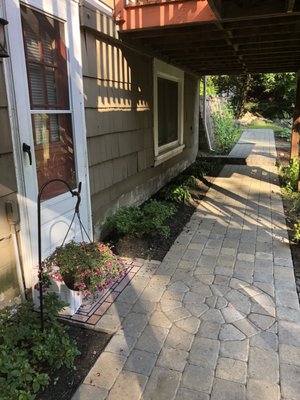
x,y
272,95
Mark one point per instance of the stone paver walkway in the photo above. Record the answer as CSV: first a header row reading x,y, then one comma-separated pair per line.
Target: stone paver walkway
x,y
219,318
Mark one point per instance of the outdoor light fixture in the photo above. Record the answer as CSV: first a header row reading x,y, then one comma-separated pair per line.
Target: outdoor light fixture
x,y
3,49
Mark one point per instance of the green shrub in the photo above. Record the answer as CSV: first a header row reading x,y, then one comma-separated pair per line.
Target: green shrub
x,y
142,221
226,132
176,193
190,182
296,235
285,133
290,175
200,168
155,214
26,353
125,220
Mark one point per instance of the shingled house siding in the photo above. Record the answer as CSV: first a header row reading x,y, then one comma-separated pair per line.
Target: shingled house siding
x,y
118,88
8,187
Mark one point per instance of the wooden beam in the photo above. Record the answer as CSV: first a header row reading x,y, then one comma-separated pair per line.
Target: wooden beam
x,y
169,31
262,30
248,47
290,6
215,5
238,9
262,22
275,50
296,125
267,38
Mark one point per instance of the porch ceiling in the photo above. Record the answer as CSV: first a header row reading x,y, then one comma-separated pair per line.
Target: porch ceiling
x,y
248,36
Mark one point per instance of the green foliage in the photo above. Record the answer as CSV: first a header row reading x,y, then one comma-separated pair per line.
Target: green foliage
x,y
185,180
296,234
142,221
211,89
125,220
263,125
200,168
155,213
285,133
226,132
290,175
26,353
86,267
176,193
272,95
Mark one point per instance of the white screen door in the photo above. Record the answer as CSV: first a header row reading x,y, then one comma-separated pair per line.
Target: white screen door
x,y
44,41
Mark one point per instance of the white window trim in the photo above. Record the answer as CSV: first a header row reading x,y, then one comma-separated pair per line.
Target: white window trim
x,y
169,150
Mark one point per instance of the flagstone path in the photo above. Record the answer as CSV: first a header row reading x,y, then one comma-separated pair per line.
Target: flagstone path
x,y
219,317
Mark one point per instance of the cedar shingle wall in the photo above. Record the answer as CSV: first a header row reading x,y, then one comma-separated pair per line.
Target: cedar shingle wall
x,y
118,87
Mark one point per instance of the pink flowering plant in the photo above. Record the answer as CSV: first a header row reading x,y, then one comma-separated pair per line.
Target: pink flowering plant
x,y
86,267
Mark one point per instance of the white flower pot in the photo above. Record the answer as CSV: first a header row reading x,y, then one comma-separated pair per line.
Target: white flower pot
x,y
72,297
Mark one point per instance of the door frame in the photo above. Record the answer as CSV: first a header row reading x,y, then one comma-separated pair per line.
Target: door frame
x,y
19,110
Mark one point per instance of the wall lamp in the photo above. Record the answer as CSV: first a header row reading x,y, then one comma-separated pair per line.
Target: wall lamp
x,y
3,48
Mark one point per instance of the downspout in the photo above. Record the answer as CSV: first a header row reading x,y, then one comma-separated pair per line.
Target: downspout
x,y
204,115
13,220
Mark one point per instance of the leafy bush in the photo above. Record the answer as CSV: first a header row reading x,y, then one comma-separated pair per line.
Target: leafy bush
x,y
185,180
125,220
176,193
226,132
290,175
142,221
27,353
155,213
285,133
200,168
296,235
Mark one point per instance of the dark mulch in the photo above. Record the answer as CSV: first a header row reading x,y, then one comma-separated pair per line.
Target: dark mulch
x,y
283,156
90,344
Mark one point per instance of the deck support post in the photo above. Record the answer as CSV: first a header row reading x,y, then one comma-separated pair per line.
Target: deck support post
x,y
296,124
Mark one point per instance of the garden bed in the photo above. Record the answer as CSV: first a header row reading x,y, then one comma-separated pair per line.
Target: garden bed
x,y
283,157
154,246
66,381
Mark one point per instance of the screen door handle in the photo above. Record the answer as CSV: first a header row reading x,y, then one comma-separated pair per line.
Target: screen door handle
x,y
27,149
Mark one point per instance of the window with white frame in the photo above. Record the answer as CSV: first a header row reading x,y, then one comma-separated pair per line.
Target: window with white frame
x,y
168,111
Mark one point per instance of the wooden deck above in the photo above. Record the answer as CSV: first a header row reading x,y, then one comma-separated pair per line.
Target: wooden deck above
x,y
216,36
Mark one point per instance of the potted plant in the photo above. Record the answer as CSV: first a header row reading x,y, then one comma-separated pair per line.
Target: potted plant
x,y
78,270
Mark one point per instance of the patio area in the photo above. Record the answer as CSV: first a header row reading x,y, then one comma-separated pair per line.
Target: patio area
x,y
219,317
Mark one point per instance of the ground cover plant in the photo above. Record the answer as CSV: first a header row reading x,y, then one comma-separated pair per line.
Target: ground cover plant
x,y
27,354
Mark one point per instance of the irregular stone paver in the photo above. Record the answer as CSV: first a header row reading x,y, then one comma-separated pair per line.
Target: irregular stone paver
x,y
231,370
174,359
262,390
197,378
225,390
290,381
163,384
141,361
123,390
88,392
219,317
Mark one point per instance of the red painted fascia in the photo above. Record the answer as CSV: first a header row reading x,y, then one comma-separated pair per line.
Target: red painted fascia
x,y
163,13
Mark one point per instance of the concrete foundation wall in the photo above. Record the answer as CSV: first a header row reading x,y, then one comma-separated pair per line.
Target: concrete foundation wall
x,y
118,86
